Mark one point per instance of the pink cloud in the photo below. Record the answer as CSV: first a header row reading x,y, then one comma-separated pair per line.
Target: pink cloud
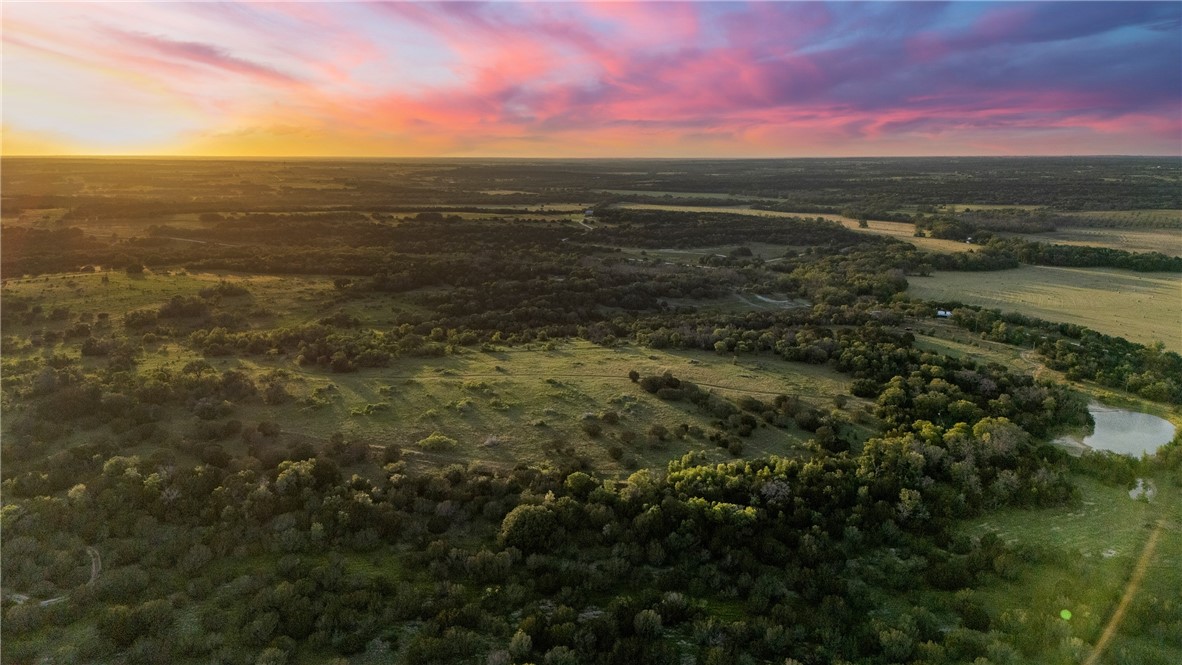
x,y
185,52
650,75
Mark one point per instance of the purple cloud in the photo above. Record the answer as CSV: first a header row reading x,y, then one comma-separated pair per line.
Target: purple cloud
x,y
202,54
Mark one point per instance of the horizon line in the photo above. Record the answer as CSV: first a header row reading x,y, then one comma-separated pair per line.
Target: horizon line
x,y
582,158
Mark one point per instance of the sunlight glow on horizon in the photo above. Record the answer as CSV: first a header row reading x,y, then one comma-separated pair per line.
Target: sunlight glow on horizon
x,y
774,79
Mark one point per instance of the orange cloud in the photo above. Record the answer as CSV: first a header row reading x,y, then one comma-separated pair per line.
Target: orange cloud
x,y
590,79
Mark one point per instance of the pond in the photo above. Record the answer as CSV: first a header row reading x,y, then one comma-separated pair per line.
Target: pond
x,y
1127,432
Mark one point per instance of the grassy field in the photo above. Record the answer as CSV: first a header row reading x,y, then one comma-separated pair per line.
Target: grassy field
x,y
1106,525
1140,307
960,343
963,207
1135,217
905,232
273,300
514,405
527,405
1090,552
1166,241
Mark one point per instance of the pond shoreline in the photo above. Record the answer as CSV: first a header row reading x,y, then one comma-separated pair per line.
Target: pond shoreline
x,y
1121,431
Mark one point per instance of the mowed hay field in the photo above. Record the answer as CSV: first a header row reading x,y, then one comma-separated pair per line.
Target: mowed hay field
x,y
1166,241
1141,307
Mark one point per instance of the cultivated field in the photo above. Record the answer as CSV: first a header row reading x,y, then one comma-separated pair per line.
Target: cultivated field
x,y
1140,307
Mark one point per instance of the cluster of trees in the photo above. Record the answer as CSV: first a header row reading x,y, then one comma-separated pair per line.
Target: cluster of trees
x,y
1082,354
1011,220
946,227
564,567
910,385
1079,256
660,228
776,536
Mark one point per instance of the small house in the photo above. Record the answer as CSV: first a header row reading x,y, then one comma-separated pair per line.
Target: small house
x,y
943,314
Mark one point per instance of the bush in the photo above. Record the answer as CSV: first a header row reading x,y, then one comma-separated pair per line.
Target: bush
x,y
671,394
647,623
437,442
140,318
652,384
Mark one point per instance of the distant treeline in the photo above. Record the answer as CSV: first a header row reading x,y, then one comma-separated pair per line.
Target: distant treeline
x,y
659,228
131,188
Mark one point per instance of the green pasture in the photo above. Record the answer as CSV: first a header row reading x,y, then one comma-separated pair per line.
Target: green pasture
x,y
1166,241
529,404
1141,307
1087,555
504,407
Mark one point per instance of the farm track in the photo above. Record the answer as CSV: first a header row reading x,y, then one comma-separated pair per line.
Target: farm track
x,y
96,567
1131,589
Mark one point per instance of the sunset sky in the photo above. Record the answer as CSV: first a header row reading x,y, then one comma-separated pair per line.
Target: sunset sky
x,y
762,79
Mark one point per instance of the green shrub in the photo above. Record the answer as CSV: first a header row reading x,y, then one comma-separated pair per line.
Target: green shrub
x,y
437,442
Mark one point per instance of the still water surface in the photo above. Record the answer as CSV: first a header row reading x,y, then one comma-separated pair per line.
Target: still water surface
x,y
1128,432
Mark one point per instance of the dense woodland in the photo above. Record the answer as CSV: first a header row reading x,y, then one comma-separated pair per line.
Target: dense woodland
x,y
224,539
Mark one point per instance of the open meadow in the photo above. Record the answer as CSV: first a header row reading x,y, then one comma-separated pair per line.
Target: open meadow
x,y
506,405
1145,308
1128,550
1167,241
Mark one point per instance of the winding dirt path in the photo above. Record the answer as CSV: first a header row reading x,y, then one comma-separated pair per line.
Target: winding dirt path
x,y
1031,356
96,567
1131,589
